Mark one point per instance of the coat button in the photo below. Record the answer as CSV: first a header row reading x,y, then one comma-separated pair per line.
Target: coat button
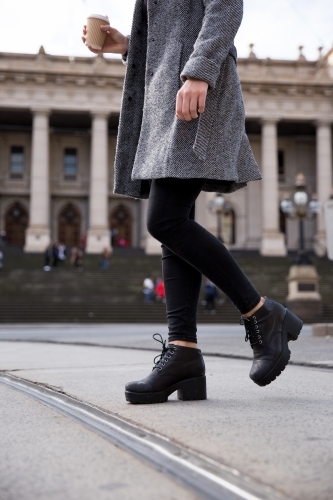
x,y
133,66
153,39
151,74
130,98
139,32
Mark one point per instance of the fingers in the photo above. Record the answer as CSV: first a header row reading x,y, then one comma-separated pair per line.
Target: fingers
x,y
93,50
202,102
179,106
186,105
193,107
191,99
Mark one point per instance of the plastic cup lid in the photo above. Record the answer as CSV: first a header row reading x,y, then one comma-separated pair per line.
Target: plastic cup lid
x,y
98,16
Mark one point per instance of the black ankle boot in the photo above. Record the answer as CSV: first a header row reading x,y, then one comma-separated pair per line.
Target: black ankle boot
x,y
269,330
180,369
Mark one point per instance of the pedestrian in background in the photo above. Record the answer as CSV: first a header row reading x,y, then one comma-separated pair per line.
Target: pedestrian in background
x,y
210,295
114,235
182,131
160,290
77,258
104,260
62,251
55,255
3,238
148,290
48,257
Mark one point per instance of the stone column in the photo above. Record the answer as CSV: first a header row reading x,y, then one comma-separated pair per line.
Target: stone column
x,y
98,236
324,180
151,245
38,234
272,241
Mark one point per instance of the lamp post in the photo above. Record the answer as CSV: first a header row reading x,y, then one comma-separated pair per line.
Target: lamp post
x,y
299,207
219,207
303,280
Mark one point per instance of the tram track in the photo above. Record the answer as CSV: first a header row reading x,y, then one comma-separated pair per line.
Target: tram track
x,y
208,478
327,365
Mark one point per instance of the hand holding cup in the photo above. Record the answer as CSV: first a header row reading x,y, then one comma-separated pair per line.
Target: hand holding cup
x,y
101,38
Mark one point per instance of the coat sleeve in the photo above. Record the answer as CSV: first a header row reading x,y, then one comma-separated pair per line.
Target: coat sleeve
x,y
220,24
124,56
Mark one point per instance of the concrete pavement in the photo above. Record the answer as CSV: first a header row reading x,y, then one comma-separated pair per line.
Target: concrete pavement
x,y
44,455
280,435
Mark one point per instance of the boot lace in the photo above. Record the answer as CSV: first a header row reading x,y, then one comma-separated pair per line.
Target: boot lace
x,y
167,352
252,330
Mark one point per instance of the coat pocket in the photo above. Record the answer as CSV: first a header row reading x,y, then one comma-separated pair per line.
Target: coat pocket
x,y
207,118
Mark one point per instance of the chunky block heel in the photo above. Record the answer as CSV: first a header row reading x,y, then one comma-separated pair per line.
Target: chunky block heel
x,y
178,368
269,330
292,325
192,389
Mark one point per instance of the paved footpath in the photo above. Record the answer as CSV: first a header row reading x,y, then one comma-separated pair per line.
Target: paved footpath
x,y
280,436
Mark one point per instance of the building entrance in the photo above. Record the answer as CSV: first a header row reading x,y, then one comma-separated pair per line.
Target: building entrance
x,y
16,223
121,226
69,225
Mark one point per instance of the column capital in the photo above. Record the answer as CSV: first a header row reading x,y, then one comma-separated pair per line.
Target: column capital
x,y
100,113
41,111
269,120
324,122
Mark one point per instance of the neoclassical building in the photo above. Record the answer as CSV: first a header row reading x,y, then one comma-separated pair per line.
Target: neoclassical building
x,y
58,129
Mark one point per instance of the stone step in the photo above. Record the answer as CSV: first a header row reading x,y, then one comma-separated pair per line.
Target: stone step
x,y
30,294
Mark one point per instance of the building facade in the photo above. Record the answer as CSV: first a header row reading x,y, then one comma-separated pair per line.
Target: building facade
x,y
58,129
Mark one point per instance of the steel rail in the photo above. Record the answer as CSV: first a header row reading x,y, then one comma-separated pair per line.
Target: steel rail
x,y
207,477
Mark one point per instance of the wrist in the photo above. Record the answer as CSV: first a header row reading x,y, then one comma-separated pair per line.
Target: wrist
x,y
197,80
125,50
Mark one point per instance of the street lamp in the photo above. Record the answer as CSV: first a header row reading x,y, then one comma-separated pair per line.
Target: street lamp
x,y
219,207
300,208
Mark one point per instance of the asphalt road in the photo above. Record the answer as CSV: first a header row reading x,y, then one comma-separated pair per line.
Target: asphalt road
x,y
280,436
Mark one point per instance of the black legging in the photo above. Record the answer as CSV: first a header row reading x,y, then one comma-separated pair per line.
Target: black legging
x,y
188,250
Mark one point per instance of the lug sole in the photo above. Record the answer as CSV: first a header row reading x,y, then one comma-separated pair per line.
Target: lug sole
x,y
291,329
191,389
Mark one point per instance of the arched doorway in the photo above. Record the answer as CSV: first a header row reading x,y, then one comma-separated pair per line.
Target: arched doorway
x,y
121,226
69,225
16,223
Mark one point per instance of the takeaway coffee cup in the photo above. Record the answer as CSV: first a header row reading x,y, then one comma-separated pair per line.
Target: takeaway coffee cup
x,y
95,37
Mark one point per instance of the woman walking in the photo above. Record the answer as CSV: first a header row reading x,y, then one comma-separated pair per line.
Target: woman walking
x,y
182,131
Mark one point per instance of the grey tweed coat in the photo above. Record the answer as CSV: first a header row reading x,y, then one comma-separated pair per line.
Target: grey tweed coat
x,y
183,39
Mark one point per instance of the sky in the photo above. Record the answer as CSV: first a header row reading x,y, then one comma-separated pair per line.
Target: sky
x,y
276,27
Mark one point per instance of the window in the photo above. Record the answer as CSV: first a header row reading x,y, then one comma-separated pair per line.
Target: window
x,y
16,167
70,163
281,168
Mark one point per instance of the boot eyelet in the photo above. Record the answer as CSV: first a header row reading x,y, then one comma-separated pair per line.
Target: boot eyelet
x,y
160,369
260,341
254,317
259,337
